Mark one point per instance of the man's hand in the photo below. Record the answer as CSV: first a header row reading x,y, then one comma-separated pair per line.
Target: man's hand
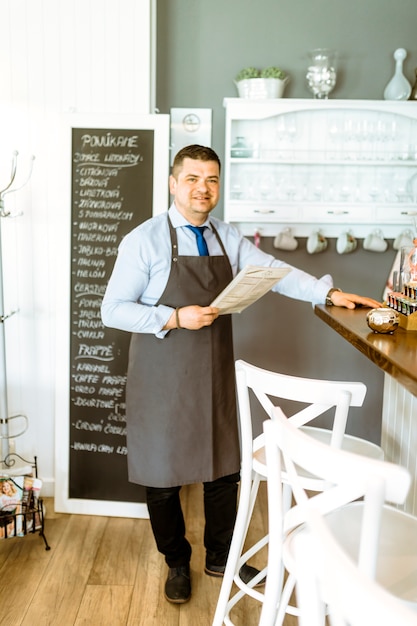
x,y
351,300
192,317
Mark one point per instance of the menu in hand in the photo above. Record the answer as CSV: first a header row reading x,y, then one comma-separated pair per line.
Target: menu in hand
x,y
249,285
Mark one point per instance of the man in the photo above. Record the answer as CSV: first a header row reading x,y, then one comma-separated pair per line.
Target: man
x,y
180,394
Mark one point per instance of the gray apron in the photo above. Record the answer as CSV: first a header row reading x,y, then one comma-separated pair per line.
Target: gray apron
x,y
180,392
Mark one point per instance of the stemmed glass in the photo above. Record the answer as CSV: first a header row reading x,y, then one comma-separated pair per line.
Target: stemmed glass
x,y
292,134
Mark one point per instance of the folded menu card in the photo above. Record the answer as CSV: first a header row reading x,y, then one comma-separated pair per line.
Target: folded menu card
x,y
249,285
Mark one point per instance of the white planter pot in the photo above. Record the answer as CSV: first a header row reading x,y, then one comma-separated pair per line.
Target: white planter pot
x,y
259,88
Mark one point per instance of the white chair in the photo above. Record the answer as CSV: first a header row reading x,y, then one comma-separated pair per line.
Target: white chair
x,y
381,539
327,577
316,397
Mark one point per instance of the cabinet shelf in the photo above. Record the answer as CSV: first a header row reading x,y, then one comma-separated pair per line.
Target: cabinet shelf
x,y
406,209
321,162
312,161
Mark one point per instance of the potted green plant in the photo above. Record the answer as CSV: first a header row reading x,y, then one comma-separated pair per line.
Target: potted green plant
x,y
273,72
247,73
266,83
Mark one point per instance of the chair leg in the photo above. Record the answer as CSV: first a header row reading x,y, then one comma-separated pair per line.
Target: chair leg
x,y
274,589
284,602
247,497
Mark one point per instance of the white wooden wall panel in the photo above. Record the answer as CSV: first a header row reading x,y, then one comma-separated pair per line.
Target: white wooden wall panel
x,y
56,58
399,433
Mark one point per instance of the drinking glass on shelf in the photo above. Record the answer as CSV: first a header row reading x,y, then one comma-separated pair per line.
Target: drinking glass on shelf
x,y
281,132
374,192
292,134
291,189
267,187
382,138
386,133
352,138
345,191
368,138
236,191
250,183
334,135
317,191
330,193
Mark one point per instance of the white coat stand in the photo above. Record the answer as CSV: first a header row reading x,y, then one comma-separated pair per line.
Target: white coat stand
x,y
31,518
8,458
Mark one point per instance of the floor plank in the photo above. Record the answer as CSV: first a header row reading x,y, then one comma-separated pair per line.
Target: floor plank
x,y
117,556
109,604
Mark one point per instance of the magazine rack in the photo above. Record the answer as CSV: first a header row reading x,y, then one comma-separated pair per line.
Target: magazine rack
x,y
31,518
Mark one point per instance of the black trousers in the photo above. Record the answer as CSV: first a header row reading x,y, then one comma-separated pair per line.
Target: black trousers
x,y
168,526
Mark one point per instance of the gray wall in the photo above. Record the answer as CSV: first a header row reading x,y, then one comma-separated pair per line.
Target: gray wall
x,y
201,45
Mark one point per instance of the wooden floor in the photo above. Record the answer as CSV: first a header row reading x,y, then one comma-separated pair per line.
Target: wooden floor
x,y
106,571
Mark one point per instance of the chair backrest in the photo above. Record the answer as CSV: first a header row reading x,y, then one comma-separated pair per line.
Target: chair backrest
x,y
319,395
291,452
327,576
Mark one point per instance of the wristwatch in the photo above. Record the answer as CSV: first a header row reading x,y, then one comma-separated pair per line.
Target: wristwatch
x,y
329,296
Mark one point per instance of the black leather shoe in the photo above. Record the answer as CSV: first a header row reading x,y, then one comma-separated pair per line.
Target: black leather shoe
x,y
178,584
246,573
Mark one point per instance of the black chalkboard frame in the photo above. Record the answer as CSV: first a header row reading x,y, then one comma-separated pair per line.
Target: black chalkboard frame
x,y
89,449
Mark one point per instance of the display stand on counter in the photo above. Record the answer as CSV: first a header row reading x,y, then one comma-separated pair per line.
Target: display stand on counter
x,y
403,297
22,512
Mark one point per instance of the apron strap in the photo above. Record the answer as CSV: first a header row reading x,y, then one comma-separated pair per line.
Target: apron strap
x,y
174,241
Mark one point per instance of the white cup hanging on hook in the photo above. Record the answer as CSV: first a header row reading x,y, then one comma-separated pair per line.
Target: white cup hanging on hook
x,y
346,243
316,242
285,240
405,238
375,242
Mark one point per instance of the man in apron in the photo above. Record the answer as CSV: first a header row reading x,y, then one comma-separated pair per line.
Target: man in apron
x,y
180,393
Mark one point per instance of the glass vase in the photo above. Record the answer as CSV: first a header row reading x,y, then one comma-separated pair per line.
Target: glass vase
x,y
321,72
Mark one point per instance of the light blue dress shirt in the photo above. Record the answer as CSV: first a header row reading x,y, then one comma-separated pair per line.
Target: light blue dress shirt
x,y
143,264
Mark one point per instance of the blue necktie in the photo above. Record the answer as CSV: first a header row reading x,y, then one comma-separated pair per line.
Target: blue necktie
x,y
201,242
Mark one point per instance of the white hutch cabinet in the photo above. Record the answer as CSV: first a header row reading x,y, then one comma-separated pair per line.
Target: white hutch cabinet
x,y
331,165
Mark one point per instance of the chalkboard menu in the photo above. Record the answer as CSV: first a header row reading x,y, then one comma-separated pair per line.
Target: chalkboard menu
x,y
112,183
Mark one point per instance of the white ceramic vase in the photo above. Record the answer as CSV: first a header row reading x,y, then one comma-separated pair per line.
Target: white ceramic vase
x,y
398,87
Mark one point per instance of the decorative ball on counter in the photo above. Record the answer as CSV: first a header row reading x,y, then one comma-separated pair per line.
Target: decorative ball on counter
x,y
383,320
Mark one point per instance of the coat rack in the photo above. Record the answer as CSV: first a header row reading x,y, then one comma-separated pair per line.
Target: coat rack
x,y
5,419
30,517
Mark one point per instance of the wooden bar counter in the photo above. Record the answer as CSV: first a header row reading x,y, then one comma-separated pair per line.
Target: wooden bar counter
x,y
396,355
